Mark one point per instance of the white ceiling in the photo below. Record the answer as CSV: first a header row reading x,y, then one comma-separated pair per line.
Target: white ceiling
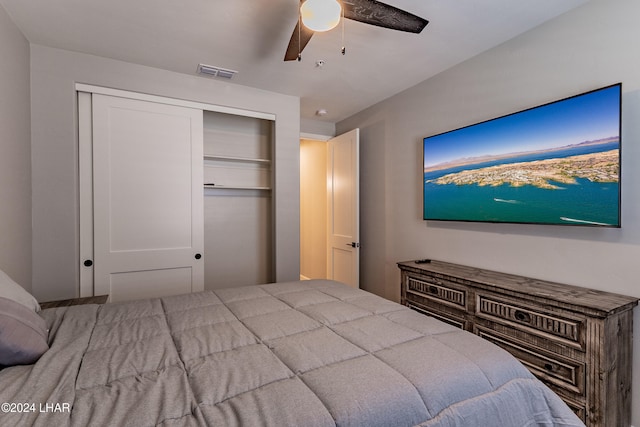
x,y
251,36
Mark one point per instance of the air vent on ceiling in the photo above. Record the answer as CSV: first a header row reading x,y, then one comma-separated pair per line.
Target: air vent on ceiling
x,y
210,70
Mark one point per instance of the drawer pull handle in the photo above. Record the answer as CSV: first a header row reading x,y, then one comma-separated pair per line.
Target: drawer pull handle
x,y
522,316
548,367
433,290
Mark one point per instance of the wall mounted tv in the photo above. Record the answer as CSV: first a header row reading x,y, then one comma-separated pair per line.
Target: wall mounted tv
x,y
557,163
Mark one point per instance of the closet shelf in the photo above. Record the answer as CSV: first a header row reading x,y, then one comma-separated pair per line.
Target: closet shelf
x,y
235,187
236,159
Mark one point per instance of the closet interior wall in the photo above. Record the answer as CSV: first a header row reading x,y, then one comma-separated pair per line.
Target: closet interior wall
x,y
238,200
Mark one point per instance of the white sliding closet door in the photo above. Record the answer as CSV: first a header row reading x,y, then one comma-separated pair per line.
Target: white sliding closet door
x,y
147,198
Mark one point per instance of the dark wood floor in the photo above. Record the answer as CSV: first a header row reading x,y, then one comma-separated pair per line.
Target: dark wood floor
x,y
100,299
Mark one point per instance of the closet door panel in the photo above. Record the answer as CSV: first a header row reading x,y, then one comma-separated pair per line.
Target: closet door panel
x,y
148,211
157,282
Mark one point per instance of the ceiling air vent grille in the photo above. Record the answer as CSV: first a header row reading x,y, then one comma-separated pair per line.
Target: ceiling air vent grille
x,y
210,70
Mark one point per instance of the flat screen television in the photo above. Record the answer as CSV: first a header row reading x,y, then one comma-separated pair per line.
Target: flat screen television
x,y
558,163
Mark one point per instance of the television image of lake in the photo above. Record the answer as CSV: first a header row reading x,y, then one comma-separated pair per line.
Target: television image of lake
x,y
555,164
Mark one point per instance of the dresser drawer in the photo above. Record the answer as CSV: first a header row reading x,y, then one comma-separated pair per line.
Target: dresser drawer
x,y
566,373
451,319
437,290
557,327
579,409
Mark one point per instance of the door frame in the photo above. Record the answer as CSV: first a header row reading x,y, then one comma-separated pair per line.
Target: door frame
x,y
325,139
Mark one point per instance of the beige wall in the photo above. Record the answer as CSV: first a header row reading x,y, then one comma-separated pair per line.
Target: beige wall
x,y
15,154
54,73
313,209
590,47
316,129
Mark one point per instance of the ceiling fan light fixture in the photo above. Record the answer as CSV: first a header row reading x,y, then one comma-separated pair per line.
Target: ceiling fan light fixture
x,y
320,15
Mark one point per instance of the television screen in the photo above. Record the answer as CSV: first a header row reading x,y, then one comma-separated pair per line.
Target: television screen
x,y
558,163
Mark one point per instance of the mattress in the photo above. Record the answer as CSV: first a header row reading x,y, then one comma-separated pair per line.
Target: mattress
x,y
312,353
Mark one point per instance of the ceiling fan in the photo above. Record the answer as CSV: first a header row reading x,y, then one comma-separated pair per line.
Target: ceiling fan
x,y
368,11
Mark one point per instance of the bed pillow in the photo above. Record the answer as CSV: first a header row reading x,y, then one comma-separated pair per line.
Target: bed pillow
x,y
23,334
11,290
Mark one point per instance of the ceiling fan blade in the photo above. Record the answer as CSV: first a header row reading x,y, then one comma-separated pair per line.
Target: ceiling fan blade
x,y
299,39
382,15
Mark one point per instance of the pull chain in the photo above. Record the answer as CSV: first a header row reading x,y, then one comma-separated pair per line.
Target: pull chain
x,y
299,35
344,49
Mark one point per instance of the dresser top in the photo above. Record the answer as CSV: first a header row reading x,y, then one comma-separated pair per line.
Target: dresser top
x,y
563,295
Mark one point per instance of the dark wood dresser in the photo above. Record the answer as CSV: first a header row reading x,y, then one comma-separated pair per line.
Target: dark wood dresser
x,y
578,341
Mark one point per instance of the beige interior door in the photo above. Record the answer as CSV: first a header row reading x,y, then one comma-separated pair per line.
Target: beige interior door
x,y
343,208
147,198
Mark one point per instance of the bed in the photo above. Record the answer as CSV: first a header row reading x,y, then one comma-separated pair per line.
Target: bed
x,y
312,353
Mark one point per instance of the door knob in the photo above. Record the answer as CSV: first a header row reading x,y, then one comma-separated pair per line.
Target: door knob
x,y
88,263
198,256
354,244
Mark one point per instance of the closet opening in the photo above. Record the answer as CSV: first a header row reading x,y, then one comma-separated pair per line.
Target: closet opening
x,y
238,208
